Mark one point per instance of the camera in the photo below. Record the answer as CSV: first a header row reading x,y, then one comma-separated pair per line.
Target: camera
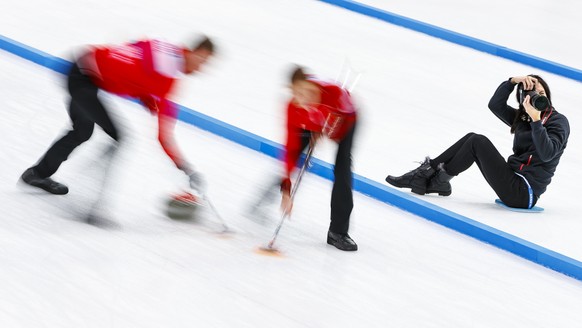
x,y
538,101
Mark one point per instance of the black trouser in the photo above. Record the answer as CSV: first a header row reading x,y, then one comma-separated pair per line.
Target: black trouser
x,y
475,148
342,200
85,110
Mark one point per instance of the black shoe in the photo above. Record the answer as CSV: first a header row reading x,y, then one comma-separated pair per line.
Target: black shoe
x,y
100,221
30,177
416,180
341,241
440,183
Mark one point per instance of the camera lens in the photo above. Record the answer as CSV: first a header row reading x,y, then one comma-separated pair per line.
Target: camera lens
x,y
538,101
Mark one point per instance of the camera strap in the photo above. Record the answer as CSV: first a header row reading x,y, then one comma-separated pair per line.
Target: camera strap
x,y
529,190
545,118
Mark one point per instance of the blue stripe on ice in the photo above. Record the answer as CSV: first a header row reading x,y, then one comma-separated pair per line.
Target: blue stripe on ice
x,y
405,201
460,39
42,58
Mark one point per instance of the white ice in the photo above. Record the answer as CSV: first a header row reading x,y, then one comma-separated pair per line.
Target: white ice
x,y
541,28
418,95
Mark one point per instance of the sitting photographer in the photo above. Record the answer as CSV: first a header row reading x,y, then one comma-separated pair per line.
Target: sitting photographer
x,y
540,137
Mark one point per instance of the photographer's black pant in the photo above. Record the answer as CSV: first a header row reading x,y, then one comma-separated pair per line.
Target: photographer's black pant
x,y
476,148
85,110
342,200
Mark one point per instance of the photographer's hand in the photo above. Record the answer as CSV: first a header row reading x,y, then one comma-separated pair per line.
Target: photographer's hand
x,y
530,110
528,81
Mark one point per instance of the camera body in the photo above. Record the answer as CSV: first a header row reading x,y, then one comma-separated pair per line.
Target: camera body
x,y
538,101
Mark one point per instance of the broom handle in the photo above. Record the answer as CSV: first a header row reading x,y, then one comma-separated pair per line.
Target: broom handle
x,y
293,192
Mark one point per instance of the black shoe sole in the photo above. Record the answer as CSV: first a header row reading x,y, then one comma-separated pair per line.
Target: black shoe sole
x,y
54,192
47,189
416,190
101,222
441,193
333,243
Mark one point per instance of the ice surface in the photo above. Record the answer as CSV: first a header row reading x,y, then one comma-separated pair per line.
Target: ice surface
x,y
418,95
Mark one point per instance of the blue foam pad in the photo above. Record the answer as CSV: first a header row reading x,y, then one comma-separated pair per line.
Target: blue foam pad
x,y
535,209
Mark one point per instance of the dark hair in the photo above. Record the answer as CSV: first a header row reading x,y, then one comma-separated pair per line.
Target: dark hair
x,y
521,115
204,44
298,74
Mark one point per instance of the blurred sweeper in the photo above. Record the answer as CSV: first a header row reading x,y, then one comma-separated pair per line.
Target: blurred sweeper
x,y
321,108
146,70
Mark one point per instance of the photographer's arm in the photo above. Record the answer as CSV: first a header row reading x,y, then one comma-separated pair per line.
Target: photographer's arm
x,y
498,103
550,138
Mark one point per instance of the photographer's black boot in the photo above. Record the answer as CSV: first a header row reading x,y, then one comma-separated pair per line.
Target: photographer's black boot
x,y
440,183
416,180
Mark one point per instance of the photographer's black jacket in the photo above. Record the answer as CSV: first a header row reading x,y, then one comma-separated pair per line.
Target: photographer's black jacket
x,y
537,146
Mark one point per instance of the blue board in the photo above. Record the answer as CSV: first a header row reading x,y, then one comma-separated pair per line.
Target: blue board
x,y
535,209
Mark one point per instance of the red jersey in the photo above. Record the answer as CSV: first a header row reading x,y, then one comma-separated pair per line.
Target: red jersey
x,y
333,117
146,70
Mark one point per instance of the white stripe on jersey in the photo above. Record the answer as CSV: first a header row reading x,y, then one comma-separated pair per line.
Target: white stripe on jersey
x,y
167,59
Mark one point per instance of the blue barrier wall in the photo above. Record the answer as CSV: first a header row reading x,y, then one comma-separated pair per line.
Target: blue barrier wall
x,y
460,39
404,201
